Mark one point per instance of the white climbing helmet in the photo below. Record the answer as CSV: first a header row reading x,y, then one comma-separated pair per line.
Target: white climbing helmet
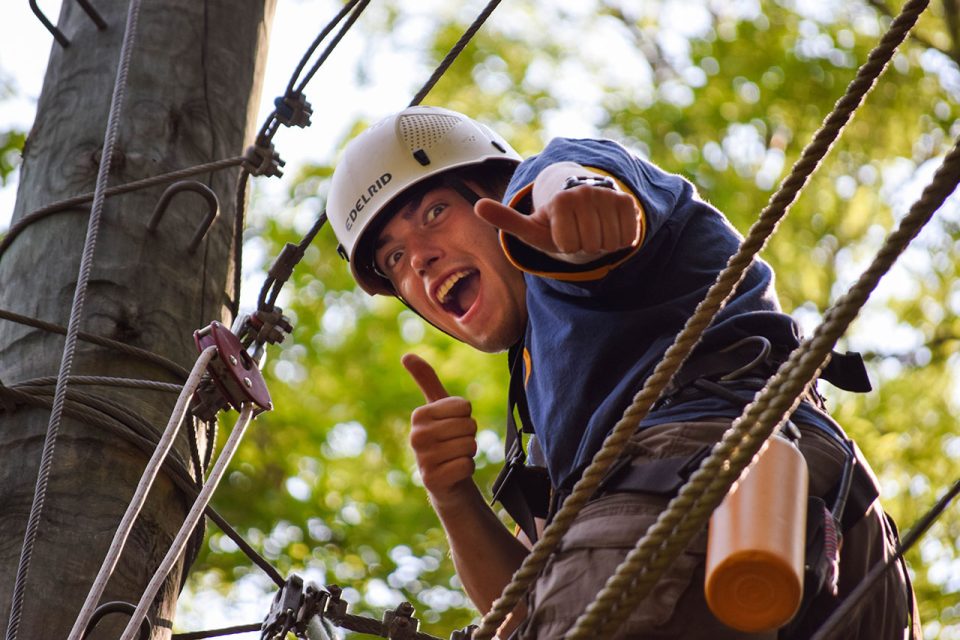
x,y
393,155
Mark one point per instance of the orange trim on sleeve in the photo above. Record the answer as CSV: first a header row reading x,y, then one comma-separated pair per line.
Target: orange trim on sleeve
x,y
575,276
527,366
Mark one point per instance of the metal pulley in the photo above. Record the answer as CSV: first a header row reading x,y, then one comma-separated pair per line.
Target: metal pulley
x,y
234,372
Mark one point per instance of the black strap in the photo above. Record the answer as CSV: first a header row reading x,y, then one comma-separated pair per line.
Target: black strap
x,y
523,490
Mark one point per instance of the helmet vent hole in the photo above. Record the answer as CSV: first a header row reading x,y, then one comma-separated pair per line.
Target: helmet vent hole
x,y
422,131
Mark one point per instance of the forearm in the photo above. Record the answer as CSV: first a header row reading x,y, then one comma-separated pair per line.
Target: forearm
x,y
484,552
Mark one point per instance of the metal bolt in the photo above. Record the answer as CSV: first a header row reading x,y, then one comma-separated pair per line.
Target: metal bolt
x,y
233,360
248,382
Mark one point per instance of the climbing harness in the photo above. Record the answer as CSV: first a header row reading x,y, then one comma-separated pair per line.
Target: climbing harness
x,y
685,342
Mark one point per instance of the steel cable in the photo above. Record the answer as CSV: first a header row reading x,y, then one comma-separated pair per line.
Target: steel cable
x,y
715,299
132,428
179,372
272,286
76,313
856,597
34,216
454,52
357,11
316,43
105,381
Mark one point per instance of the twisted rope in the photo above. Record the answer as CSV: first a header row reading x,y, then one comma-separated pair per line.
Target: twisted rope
x,y
105,381
715,299
179,372
686,514
76,313
139,499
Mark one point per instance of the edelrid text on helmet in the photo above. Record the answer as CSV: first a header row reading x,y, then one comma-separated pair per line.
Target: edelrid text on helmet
x,y
392,156
365,198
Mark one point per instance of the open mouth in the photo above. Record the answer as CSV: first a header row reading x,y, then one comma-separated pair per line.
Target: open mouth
x,y
459,291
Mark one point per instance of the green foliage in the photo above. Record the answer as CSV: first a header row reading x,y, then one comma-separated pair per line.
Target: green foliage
x,y
728,99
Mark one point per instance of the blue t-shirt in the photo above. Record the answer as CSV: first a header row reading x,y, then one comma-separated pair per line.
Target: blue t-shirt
x,y
595,332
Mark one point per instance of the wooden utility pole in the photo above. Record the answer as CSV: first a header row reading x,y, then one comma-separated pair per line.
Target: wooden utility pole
x,y
192,95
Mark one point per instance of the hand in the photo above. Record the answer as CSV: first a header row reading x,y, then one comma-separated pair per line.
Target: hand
x,y
575,225
443,435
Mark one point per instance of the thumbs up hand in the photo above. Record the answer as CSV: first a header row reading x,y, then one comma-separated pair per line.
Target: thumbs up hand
x,y
576,225
443,435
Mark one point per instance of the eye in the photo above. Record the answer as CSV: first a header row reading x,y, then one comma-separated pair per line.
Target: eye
x,y
433,212
392,259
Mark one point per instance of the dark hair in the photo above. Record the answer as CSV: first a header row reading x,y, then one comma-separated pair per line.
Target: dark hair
x,y
492,177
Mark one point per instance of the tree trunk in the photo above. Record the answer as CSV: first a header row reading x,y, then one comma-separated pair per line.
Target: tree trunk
x,y
193,88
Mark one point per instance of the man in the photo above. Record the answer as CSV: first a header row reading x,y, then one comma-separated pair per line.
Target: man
x,y
585,265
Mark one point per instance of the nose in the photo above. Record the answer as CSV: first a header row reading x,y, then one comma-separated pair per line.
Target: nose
x,y
423,254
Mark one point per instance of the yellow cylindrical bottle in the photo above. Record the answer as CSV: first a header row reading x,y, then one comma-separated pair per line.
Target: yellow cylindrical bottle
x,y
755,549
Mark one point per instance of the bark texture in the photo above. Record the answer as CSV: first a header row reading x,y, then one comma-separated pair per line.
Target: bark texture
x,y
194,86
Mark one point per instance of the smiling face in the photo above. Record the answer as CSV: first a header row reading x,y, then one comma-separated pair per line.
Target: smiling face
x,y
448,265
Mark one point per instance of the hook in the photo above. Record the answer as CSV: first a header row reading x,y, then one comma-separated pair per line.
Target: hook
x,y
213,208
57,34
146,629
94,15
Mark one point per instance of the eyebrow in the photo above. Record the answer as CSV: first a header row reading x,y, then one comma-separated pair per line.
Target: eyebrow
x,y
406,212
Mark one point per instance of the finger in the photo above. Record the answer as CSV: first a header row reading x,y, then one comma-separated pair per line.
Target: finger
x,y
529,230
449,407
425,377
610,224
446,451
590,227
564,229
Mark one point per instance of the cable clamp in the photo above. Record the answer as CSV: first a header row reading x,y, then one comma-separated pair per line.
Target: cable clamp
x,y
292,609
263,326
400,624
293,110
261,159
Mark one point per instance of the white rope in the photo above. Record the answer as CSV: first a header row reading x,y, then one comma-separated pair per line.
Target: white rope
x,y
178,544
140,495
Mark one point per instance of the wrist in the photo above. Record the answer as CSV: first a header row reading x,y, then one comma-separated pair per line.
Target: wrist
x,y
457,497
592,180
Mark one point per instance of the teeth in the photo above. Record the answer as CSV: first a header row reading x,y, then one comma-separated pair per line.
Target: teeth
x,y
444,289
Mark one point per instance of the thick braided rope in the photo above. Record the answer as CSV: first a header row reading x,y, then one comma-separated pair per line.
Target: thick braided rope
x,y
689,511
716,297
76,313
